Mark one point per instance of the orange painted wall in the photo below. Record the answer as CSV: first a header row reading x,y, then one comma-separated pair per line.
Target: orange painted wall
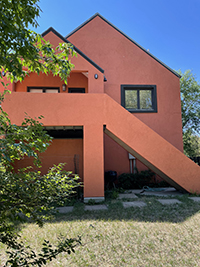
x,y
116,158
75,80
93,158
64,150
126,63
60,151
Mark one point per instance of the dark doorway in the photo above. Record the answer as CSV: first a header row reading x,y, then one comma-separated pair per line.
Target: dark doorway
x,y
76,90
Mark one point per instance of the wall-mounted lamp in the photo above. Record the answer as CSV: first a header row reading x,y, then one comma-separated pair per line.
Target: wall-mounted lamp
x,y
64,87
96,76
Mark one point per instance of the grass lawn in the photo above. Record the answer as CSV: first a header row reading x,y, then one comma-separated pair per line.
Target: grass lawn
x,y
155,235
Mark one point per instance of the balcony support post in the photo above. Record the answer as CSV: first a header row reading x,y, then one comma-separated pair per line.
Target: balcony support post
x,y
93,162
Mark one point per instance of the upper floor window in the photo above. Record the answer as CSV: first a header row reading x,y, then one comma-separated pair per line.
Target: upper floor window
x,y
43,89
139,98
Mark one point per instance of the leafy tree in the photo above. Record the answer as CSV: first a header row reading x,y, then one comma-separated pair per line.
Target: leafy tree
x,y
191,143
28,194
190,105
23,51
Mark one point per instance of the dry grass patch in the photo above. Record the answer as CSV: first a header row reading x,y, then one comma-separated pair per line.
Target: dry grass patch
x,y
155,235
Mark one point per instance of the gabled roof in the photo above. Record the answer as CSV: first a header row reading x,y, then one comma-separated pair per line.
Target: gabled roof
x,y
51,29
97,14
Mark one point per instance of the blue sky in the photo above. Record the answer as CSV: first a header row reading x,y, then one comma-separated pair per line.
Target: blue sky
x,y
170,29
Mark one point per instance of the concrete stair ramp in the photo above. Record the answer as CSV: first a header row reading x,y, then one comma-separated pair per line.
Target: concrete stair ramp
x,y
151,149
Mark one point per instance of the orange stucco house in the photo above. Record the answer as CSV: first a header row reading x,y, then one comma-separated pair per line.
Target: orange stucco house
x,y
120,99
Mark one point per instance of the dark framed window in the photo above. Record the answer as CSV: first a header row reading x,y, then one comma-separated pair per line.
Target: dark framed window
x,y
139,98
43,89
76,90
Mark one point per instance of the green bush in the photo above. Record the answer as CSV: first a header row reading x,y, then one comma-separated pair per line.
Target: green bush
x,y
135,180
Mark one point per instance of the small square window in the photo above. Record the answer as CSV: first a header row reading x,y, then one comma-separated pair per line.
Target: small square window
x,y
139,98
